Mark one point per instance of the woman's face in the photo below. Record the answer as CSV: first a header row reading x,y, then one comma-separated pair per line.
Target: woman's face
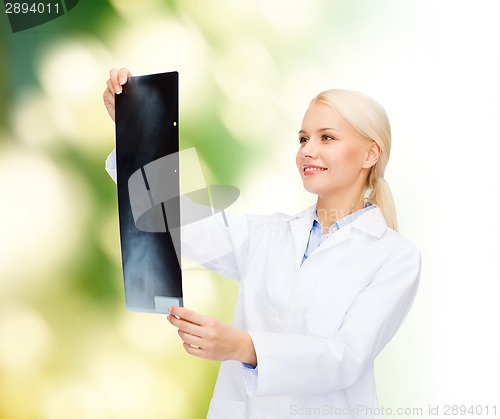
x,y
333,157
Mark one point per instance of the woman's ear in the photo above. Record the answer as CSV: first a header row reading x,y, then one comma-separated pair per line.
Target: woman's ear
x,y
372,156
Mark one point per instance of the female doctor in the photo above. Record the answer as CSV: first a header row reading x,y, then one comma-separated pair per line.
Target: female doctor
x,y
321,292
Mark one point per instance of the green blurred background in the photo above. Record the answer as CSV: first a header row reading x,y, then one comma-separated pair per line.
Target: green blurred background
x,y
68,347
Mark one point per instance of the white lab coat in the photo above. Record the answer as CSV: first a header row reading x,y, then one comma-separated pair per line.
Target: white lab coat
x,y
316,327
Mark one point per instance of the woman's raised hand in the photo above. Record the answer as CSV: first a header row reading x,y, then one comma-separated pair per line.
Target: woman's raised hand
x,y
117,78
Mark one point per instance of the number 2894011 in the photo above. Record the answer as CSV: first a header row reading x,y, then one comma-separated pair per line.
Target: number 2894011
x,y
33,8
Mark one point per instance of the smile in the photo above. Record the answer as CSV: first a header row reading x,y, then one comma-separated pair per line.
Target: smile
x,y
311,170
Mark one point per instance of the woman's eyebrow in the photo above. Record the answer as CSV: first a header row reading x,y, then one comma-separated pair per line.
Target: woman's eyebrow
x,y
328,129
320,130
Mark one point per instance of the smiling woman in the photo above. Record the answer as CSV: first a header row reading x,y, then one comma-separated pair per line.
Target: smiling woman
x,y
346,138
310,318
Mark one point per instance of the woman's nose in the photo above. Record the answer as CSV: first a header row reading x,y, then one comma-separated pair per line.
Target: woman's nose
x,y
308,150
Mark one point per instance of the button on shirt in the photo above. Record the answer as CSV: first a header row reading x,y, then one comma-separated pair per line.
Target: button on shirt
x,y
316,236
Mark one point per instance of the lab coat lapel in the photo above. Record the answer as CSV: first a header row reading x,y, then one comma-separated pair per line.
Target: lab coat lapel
x,y
336,238
301,226
372,223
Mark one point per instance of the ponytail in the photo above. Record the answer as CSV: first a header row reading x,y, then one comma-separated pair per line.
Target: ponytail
x,y
380,195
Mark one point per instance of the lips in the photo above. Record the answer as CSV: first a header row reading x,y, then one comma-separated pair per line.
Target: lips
x,y
310,170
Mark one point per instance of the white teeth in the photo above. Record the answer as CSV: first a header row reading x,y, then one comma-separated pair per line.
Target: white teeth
x,y
313,169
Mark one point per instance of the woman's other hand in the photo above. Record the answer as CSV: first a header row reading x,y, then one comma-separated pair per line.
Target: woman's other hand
x,y
117,78
209,338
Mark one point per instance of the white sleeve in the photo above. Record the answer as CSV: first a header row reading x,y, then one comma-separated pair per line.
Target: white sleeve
x,y
293,364
218,242
111,166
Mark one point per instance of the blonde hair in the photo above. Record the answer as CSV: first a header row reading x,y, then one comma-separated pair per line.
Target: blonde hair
x,y
368,118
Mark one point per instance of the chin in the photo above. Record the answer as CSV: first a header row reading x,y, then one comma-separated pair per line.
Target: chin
x,y
312,189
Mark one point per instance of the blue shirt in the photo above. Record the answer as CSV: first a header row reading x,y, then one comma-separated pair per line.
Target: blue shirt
x,y
316,235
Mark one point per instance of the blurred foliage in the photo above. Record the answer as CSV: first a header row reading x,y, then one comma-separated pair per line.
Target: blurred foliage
x,y
67,346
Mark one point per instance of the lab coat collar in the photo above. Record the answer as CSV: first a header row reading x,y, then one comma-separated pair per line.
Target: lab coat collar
x,y
371,222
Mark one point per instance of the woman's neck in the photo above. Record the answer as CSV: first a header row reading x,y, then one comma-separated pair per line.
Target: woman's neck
x,y
331,209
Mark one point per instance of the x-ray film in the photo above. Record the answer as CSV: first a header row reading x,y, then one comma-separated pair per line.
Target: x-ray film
x,y
147,152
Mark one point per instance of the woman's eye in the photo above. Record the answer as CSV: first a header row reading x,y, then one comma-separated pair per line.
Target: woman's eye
x,y
327,138
303,140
